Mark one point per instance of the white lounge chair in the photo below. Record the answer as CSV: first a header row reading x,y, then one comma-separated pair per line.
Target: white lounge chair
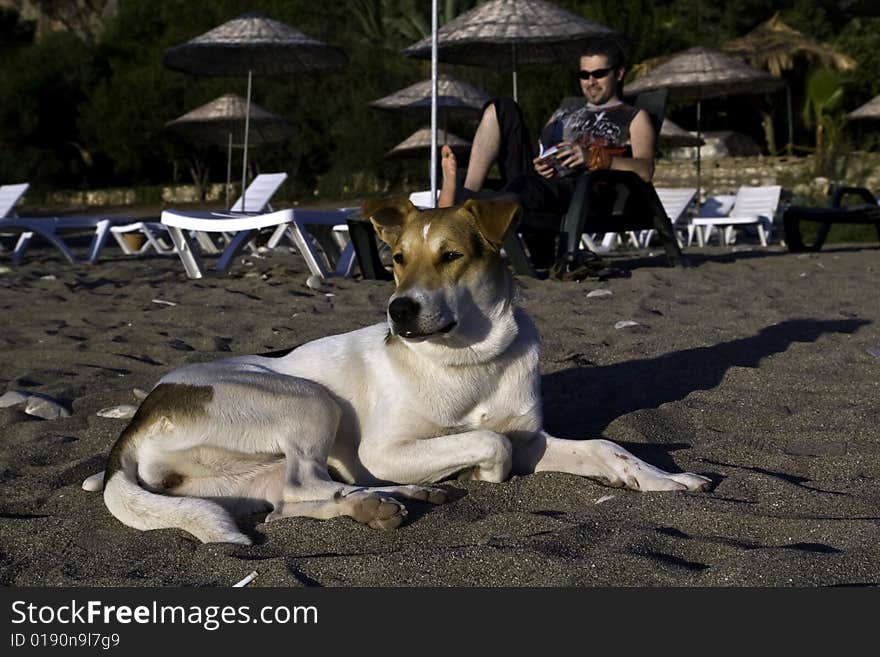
x,y
49,227
257,196
753,206
244,219
675,201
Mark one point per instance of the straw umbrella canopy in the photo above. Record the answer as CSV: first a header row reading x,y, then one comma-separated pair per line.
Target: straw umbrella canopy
x,y
700,74
252,43
453,95
870,110
776,47
674,136
420,141
515,31
221,122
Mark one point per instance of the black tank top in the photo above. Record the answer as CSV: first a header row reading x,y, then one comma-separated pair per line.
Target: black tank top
x,y
605,125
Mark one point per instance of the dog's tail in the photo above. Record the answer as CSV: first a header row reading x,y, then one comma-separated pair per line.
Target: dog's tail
x,y
137,507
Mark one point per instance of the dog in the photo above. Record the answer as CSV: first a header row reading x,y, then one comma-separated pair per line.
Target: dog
x,y
357,423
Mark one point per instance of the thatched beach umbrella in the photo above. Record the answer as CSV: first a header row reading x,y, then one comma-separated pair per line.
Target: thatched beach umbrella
x,y
870,110
776,47
674,136
514,31
453,95
700,74
222,122
252,43
420,141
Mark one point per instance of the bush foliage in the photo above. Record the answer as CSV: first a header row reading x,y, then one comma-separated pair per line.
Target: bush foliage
x,y
84,113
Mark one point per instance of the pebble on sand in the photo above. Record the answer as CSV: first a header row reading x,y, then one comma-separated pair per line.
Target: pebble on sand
x,y
121,412
874,351
36,405
12,398
48,409
625,323
600,293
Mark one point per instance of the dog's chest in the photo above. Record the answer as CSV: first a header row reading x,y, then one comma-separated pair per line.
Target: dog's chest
x,y
491,398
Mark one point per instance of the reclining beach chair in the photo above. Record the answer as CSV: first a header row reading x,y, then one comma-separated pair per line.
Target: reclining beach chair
x,y
754,206
191,231
49,227
675,201
155,235
867,212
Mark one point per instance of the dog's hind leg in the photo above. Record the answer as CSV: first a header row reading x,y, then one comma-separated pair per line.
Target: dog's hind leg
x,y
308,490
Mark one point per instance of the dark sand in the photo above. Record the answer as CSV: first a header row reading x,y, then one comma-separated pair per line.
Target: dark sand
x,y
751,368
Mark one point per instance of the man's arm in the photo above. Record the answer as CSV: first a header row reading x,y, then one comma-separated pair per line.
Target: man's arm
x,y
642,140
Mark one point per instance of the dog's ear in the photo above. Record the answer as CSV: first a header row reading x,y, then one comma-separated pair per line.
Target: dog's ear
x,y
389,216
495,218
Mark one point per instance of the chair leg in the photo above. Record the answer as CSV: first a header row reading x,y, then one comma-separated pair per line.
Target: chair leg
x,y
702,234
101,233
304,243
277,235
25,239
192,263
762,234
236,245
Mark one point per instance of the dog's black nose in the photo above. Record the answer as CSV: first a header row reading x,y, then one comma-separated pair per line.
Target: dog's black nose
x,y
403,310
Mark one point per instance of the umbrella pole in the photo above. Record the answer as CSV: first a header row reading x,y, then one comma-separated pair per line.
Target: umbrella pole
x,y
699,163
228,169
515,98
247,123
433,172
789,147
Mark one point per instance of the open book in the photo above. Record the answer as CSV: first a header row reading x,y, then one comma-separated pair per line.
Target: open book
x,y
548,155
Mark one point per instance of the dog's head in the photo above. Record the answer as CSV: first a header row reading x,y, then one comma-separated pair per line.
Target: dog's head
x,y
450,278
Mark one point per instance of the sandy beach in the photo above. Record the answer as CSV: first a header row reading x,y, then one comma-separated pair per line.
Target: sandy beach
x,y
754,368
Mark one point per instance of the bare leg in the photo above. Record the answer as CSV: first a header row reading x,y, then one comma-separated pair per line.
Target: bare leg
x,y
485,149
484,152
449,167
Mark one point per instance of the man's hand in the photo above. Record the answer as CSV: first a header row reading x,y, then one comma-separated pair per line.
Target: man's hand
x,y
570,154
543,169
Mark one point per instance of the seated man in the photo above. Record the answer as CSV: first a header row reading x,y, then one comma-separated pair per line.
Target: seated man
x,y
604,133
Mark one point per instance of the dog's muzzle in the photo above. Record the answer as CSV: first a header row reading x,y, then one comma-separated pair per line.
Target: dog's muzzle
x,y
407,320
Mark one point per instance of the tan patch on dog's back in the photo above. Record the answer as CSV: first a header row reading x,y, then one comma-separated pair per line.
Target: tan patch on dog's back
x,y
177,402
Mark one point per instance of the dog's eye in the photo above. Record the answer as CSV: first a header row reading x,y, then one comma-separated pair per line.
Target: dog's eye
x,y
449,256
398,258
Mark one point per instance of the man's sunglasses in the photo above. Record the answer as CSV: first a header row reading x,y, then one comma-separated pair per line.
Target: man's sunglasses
x,y
598,74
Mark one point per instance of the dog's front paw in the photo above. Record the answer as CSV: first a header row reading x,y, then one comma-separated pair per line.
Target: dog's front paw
x,y
658,480
378,510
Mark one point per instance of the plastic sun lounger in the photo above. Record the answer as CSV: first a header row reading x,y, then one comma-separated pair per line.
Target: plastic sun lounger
x,y
290,223
244,226
257,196
49,227
868,212
753,206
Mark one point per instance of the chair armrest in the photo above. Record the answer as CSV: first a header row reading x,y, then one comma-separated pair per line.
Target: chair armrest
x,y
842,192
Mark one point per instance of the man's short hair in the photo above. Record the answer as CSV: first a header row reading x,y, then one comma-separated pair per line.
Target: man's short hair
x,y
609,46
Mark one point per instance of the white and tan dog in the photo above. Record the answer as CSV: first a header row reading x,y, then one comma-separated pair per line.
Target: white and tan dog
x,y
449,386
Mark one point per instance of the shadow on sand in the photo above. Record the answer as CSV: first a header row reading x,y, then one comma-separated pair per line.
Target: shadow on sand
x,y
582,401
